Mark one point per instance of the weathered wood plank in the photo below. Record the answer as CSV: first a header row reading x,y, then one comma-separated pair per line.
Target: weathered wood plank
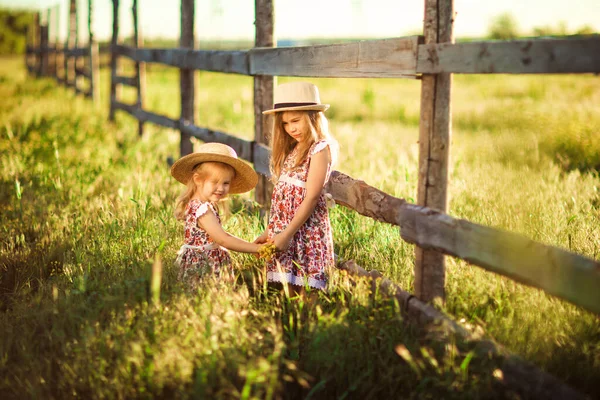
x,y
518,374
187,79
126,80
77,52
263,96
71,44
435,129
140,67
145,116
94,72
45,53
94,91
115,90
260,157
79,61
59,63
382,58
234,62
564,274
242,147
532,56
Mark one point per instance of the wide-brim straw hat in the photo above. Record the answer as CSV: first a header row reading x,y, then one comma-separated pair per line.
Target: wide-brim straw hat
x,y
245,177
297,96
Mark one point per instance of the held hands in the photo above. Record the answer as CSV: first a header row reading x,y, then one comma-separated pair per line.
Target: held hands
x,y
261,239
281,241
268,248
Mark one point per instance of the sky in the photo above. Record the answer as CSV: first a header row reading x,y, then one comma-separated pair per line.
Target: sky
x,y
233,19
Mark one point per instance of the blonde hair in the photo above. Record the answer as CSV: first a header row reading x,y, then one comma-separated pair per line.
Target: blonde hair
x,y
203,171
282,144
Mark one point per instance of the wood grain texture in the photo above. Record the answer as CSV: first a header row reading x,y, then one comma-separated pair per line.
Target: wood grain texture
x,y
187,81
564,274
382,58
533,56
206,60
263,98
115,90
435,129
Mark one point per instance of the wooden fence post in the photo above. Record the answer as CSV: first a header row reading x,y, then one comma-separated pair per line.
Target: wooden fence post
x,y
71,44
94,91
32,39
58,55
114,88
140,67
79,60
50,54
187,81
434,147
44,51
263,94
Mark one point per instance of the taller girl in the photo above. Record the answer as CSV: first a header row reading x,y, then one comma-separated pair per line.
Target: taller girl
x,y
302,155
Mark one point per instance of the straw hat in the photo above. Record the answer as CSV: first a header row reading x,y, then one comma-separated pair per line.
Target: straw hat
x,y
245,178
296,96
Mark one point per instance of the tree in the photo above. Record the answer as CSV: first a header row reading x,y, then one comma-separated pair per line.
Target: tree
x,y
13,30
503,27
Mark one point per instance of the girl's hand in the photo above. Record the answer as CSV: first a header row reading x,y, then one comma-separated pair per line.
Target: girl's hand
x,y
281,241
262,239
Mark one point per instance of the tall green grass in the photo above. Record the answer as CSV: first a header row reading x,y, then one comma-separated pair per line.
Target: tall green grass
x,y
87,209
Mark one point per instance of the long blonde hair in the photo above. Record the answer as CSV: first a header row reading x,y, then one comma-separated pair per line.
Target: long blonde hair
x,y
282,144
203,171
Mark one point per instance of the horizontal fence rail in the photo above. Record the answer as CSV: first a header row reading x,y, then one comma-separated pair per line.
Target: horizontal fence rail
x,y
235,62
387,58
390,58
512,57
559,272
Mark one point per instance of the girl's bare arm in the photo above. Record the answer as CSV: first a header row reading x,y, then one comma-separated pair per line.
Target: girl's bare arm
x,y
211,225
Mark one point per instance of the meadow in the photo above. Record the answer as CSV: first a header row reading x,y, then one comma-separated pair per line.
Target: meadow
x,y
87,210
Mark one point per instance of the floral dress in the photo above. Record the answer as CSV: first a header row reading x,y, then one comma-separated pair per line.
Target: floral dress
x,y
200,255
310,253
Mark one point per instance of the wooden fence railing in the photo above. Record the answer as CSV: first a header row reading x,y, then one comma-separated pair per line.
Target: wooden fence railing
x,y
70,64
432,58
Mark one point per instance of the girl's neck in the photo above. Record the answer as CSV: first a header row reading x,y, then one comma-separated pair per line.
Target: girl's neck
x,y
197,196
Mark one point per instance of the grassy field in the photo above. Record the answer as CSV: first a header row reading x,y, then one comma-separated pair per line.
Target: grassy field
x,y
87,208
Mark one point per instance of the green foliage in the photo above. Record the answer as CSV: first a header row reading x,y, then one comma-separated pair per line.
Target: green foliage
x,y
87,209
13,31
503,27
561,30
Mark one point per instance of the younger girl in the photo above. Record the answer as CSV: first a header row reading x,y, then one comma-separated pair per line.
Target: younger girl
x,y
302,154
209,174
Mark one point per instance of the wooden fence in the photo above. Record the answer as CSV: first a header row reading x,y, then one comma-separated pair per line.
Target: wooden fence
x,y
70,64
432,58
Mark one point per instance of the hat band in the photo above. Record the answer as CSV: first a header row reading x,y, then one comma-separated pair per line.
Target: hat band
x,y
285,105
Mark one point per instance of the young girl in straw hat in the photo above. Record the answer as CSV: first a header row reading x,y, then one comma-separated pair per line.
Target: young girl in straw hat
x,y
302,156
209,174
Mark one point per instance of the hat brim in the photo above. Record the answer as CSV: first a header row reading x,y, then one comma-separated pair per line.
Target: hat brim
x,y
313,107
245,177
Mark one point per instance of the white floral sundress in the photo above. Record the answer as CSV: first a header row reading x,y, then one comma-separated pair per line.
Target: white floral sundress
x,y
200,256
310,254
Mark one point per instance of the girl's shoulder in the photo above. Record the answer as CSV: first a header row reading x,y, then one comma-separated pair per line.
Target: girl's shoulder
x,y
323,144
198,207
